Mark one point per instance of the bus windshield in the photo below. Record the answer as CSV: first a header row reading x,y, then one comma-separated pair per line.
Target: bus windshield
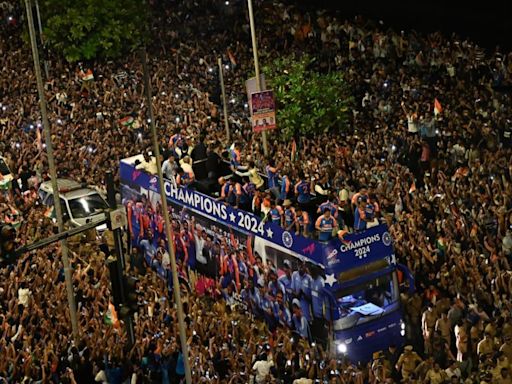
x,y
368,300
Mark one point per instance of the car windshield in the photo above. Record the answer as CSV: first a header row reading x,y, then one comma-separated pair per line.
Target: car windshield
x,y
363,302
86,206
4,169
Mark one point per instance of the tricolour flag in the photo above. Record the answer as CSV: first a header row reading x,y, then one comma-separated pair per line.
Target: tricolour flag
x,y
437,107
110,317
50,212
412,189
126,121
231,57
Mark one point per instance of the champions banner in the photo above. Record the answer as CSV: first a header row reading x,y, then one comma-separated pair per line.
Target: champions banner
x,y
263,112
335,256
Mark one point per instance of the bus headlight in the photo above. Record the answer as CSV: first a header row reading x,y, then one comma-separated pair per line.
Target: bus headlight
x,y
402,332
342,348
402,325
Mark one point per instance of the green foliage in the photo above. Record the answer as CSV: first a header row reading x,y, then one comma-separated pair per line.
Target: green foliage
x,y
89,29
308,102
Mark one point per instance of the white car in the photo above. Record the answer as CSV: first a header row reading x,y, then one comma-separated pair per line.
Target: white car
x,y
80,204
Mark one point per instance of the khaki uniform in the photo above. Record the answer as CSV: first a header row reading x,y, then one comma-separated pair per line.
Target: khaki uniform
x,y
506,348
434,377
407,363
485,347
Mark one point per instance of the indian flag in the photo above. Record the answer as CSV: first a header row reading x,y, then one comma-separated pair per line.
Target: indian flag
x,y
88,76
126,121
437,107
110,317
50,212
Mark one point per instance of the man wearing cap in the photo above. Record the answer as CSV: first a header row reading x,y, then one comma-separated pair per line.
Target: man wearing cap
x,y
286,279
407,362
301,287
300,324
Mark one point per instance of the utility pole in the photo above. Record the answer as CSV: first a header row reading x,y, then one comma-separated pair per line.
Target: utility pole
x,y
168,229
53,174
224,103
120,270
256,67
40,24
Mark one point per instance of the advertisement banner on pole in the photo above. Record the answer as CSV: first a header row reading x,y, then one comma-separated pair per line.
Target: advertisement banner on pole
x,y
252,87
263,111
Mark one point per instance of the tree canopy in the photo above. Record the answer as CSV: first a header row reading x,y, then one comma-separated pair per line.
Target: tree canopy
x,y
308,102
88,29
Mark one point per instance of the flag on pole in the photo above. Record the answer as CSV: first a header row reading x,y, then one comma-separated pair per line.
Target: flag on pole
x,y
412,189
39,139
110,317
294,150
231,57
437,107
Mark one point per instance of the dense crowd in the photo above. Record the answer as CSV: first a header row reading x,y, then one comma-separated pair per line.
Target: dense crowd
x,y
442,182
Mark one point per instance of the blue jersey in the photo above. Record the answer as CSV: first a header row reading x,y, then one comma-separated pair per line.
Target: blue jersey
x,y
271,176
329,205
275,216
282,314
301,325
289,217
317,297
286,282
326,228
301,287
369,211
303,192
283,195
359,223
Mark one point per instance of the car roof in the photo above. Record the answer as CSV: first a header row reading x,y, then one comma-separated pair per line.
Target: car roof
x,y
69,189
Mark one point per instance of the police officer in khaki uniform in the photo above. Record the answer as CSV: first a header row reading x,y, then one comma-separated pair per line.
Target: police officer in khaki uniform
x,y
407,362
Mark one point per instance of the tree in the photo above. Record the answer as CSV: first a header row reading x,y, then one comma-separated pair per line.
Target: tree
x,y
88,29
308,102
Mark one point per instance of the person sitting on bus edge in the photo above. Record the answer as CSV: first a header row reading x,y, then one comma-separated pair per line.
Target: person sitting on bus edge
x,y
301,288
300,323
235,157
169,168
271,170
289,216
325,224
184,179
276,213
302,222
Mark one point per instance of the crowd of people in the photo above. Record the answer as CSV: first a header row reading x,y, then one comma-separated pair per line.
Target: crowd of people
x,y
442,180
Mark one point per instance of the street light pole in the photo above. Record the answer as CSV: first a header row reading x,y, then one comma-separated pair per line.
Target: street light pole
x,y
168,231
38,14
224,104
53,173
256,66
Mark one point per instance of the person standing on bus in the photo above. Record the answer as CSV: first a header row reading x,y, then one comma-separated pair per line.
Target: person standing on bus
x,y
281,312
360,218
285,186
303,190
271,171
226,185
325,224
301,287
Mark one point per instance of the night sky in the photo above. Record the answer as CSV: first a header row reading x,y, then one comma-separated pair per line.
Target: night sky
x,y
488,22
